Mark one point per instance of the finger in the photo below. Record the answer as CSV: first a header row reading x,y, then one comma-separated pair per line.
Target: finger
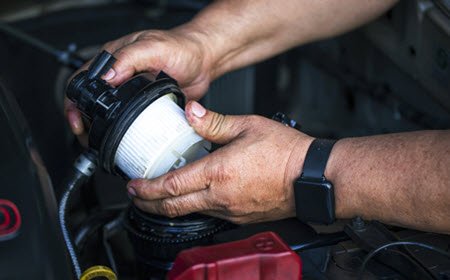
x,y
83,139
175,206
133,58
188,179
213,126
110,47
113,47
73,117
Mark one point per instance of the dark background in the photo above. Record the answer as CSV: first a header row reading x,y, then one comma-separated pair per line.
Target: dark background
x,y
391,75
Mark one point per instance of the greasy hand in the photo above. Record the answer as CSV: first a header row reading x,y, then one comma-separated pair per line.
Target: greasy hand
x,y
179,52
247,180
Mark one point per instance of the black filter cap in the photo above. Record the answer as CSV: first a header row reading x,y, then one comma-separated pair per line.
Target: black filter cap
x,y
112,110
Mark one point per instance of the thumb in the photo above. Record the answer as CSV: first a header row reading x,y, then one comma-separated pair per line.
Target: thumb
x,y
213,126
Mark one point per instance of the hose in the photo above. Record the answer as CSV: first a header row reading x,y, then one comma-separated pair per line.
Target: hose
x,y
82,170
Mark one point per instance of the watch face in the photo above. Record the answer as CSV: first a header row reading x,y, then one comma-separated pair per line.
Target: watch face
x,y
314,201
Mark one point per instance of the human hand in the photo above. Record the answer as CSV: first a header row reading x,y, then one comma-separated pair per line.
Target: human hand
x,y
247,180
179,52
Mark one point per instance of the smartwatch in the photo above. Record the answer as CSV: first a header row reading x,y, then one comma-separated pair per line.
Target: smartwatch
x,y
314,194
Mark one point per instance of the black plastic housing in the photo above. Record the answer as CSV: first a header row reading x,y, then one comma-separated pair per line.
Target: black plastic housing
x,y
111,110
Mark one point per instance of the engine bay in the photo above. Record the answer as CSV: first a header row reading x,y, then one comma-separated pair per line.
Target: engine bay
x,y
391,75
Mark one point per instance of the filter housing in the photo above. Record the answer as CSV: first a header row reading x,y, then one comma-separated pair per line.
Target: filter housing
x,y
138,129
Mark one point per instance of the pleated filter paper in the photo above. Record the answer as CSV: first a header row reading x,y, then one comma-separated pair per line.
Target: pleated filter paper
x,y
159,140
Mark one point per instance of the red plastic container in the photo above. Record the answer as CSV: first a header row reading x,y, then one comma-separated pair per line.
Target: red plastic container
x,y
263,256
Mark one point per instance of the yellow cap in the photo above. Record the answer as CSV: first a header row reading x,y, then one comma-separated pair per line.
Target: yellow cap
x,y
98,271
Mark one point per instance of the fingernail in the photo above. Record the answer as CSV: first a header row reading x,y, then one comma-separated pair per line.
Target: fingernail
x,y
76,127
197,109
75,124
109,75
130,197
131,191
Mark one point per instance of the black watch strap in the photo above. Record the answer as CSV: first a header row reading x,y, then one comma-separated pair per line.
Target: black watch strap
x,y
314,194
316,159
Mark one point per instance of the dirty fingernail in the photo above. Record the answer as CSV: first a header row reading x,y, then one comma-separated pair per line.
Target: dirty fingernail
x,y
197,109
109,75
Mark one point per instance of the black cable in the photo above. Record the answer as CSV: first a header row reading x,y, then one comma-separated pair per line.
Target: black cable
x,y
65,57
110,229
426,272
316,267
32,41
321,240
91,225
398,243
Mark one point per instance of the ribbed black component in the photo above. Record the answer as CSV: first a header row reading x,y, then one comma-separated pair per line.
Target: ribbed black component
x,y
157,240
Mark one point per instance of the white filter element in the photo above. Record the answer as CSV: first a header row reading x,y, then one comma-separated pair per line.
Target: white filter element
x,y
159,140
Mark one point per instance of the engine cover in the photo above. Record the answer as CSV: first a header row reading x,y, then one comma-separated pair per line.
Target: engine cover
x,y
262,256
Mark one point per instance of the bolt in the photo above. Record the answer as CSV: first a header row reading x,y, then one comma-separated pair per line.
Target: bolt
x,y
358,223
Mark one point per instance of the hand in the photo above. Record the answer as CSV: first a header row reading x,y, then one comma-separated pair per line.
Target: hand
x,y
179,52
247,180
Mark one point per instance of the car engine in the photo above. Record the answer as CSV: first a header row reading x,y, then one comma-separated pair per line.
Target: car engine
x,y
63,216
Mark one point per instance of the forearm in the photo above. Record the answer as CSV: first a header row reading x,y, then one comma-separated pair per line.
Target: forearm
x,y
238,33
401,179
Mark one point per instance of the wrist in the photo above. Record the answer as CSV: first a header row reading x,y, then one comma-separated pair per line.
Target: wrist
x,y
210,36
335,172
233,40
294,165
331,162
297,157
198,38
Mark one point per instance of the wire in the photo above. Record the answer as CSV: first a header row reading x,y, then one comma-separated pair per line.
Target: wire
x,y
84,166
321,240
109,229
76,180
16,33
65,57
426,272
398,243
